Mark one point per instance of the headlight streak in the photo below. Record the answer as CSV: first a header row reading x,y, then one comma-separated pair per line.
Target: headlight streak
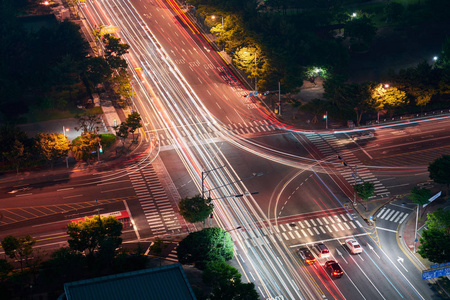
x,y
182,103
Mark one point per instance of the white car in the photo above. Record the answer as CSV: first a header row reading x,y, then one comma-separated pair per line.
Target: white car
x,y
353,246
363,136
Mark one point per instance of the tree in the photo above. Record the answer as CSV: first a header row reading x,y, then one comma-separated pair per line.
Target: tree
x,y
97,70
61,260
440,171
435,241
88,123
121,84
114,50
364,190
134,122
388,98
360,30
96,233
16,155
122,132
206,245
226,282
195,209
84,146
19,248
5,269
420,195
219,273
52,146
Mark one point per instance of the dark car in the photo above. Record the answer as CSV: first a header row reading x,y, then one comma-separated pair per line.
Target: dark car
x,y
334,268
306,255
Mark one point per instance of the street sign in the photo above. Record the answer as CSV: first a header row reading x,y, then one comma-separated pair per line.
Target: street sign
x,y
439,272
433,198
371,217
256,93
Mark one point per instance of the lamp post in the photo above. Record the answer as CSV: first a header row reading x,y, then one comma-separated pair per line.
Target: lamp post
x,y
214,17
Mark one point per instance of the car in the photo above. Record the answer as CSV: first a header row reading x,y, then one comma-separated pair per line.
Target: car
x,y
306,255
353,246
334,268
322,250
363,136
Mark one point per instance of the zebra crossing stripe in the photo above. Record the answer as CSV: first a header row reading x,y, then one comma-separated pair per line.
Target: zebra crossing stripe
x,y
323,231
403,219
310,232
298,235
312,221
399,216
292,236
353,225
326,226
332,221
334,227
384,213
317,231
346,225
282,227
325,220
340,226
343,218
394,216
320,222
390,214
301,224
304,233
337,218
307,223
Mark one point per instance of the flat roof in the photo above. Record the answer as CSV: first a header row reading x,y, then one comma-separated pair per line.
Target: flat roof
x,y
167,282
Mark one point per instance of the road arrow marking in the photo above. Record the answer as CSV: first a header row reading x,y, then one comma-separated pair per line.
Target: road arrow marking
x,y
371,248
400,261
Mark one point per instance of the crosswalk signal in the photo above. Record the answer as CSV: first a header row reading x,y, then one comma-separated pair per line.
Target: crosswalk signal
x,y
100,148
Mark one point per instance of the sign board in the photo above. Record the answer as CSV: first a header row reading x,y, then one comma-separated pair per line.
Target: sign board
x,y
256,93
433,198
109,29
438,272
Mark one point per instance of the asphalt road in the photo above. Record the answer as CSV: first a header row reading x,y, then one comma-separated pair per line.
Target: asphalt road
x,y
193,106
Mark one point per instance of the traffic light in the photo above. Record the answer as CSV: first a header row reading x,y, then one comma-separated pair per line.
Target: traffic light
x,y
100,148
325,116
266,93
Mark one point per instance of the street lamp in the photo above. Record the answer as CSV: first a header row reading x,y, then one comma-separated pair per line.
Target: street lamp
x,y
214,17
64,130
354,15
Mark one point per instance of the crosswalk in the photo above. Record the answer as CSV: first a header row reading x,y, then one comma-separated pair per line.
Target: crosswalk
x,y
319,226
243,128
158,210
353,173
391,215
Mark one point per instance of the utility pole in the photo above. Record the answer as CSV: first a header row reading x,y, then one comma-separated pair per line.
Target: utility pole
x,y
279,98
204,175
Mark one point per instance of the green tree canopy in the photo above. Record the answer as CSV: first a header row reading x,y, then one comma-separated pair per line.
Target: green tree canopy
x,y
202,246
360,30
122,132
364,190
435,241
420,195
114,50
195,209
440,171
52,146
84,145
134,122
96,233
20,248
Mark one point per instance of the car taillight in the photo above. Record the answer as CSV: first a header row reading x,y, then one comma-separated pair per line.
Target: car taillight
x,y
335,273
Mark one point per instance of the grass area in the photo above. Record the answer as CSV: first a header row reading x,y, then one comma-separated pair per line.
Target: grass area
x,y
107,140
39,115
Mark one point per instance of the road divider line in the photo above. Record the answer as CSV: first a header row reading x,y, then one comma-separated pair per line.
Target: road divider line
x,y
66,189
67,197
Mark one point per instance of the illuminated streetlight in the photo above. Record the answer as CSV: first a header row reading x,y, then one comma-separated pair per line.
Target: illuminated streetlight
x,y
354,15
386,85
64,130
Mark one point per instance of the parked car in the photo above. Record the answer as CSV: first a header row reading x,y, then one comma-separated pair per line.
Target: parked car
x,y
334,268
306,255
353,246
322,250
362,136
